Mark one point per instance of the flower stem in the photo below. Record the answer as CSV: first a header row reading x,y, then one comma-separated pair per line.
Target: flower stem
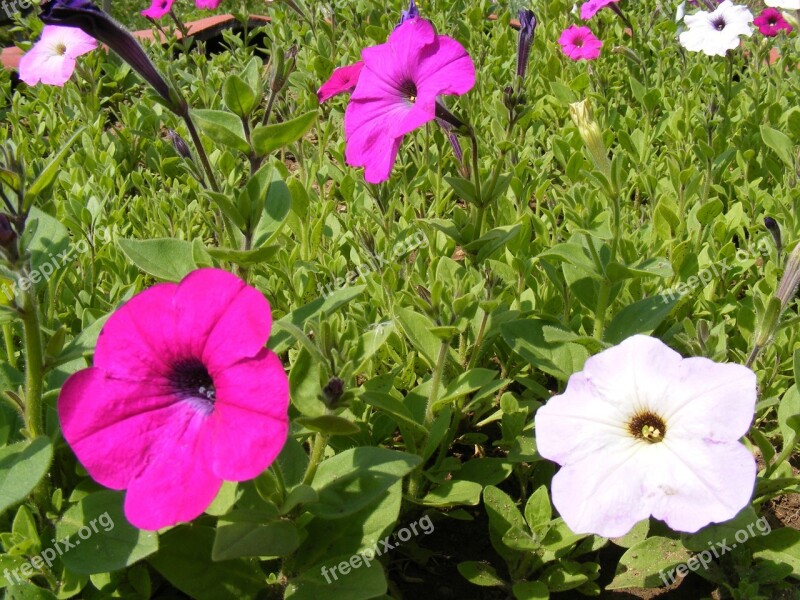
x,y
34,362
436,382
317,454
201,152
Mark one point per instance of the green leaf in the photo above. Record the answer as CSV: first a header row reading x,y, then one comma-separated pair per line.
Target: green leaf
x,y
454,493
642,316
467,382
417,328
486,471
184,560
304,384
239,97
276,207
28,591
104,539
243,533
780,143
780,546
503,515
530,590
164,258
22,466
356,477
480,573
223,128
48,242
329,424
394,407
244,257
528,338
48,174
271,137
538,512
643,564
363,582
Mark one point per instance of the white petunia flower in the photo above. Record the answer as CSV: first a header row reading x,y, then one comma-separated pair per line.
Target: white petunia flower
x,y
717,32
784,4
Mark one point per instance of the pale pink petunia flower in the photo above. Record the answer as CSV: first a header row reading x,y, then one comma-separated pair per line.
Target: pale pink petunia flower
x,y
641,431
342,80
158,9
52,58
397,90
592,7
183,394
579,43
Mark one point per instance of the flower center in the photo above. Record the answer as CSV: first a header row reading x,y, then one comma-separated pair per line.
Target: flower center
x,y
578,42
190,379
61,49
647,427
409,89
719,23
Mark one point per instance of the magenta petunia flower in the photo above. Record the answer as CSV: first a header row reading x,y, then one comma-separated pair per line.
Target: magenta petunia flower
x,y
641,431
579,43
207,4
771,22
182,395
52,58
592,7
397,90
342,80
158,9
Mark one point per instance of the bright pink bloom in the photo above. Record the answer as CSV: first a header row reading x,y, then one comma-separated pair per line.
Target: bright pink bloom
x,y
396,93
592,7
770,22
207,4
182,395
342,80
158,9
579,43
52,58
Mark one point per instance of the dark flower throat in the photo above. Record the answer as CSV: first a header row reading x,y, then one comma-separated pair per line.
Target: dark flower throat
x,y
190,379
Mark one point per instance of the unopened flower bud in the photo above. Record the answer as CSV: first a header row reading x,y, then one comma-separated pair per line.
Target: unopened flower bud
x,y
333,391
790,280
8,237
581,113
527,26
775,230
180,145
283,68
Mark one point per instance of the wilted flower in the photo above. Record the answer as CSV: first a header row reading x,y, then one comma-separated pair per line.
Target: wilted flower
x,y
579,43
182,395
714,33
52,58
771,22
641,431
592,7
582,116
790,280
158,9
397,91
527,26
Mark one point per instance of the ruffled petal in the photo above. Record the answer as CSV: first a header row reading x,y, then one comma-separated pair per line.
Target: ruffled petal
x,y
342,80
445,68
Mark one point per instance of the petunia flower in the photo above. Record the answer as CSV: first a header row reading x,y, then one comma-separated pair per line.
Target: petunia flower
x,y
182,395
397,90
592,7
784,4
207,4
579,43
771,22
642,431
714,33
342,80
158,9
52,58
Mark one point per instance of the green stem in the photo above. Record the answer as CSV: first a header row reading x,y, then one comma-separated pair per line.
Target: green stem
x,y
201,152
34,363
478,339
600,311
317,454
788,447
436,382
11,351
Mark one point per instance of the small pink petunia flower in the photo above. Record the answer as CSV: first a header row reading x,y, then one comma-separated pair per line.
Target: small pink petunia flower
x,y
158,9
207,4
592,7
342,80
579,43
397,90
771,22
182,395
52,58
641,431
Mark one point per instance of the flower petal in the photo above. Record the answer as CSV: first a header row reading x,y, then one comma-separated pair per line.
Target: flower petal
x,y
342,80
250,420
445,68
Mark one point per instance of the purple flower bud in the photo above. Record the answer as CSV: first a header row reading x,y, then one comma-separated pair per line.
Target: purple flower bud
x,y
94,22
527,25
775,230
411,13
8,238
180,145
